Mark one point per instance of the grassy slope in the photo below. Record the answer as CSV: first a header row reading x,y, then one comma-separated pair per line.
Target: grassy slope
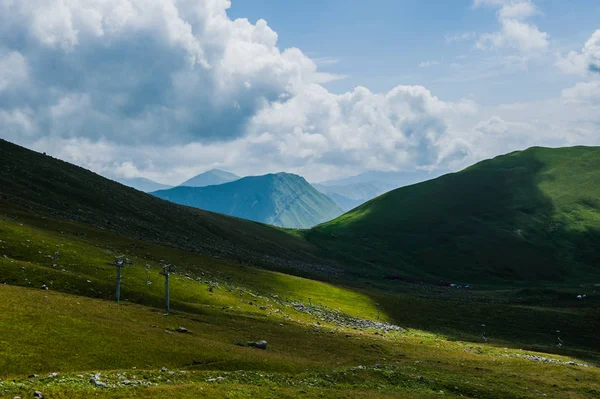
x,y
113,339
82,333
281,199
40,183
527,216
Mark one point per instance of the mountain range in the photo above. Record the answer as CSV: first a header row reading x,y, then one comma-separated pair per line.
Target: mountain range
x,y
352,195
531,215
372,287
281,199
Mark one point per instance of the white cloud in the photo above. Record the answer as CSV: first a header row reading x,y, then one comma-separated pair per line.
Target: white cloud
x,y
515,33
584,92
427,64
586,61
168,89
13,70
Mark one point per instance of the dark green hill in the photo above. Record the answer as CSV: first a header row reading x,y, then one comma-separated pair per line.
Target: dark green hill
x,y
31,182
531,215
281,199
209,178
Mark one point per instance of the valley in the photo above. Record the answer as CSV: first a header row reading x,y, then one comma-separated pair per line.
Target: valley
x,y
236,282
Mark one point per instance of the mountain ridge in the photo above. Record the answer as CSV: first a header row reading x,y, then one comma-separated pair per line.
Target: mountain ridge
x,y
210,178
280,199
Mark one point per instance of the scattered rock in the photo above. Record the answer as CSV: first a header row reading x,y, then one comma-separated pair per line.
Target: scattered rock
x,y
342,319
258,345
182,330
550,360
33,376
38,394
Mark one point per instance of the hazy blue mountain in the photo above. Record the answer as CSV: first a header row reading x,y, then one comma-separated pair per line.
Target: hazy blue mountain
x,y
210,178
395,179
280,199
352,195
143,184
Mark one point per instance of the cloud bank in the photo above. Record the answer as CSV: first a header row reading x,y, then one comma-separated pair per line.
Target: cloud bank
x,y
167,89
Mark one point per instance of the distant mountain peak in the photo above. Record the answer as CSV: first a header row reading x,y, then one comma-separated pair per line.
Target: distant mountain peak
x,y
211,178
281,199
143,184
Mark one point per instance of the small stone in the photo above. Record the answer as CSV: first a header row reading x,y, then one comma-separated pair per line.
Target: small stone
x,y
258,345
33,376
53,375
38,394
182,330
164,369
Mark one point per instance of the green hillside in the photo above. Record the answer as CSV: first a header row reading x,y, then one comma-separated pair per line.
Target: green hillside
x,y
31,182
281,199
526,216
61,333
57,316
209,178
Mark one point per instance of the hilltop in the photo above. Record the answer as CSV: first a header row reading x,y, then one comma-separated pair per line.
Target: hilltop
x,y
281,199
532,215
209,178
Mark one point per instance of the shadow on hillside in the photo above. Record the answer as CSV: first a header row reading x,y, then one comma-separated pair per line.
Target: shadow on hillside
x,y
489,224
492,225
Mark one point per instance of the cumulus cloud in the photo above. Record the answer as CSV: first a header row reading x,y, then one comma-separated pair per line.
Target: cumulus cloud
x,y
516,32
584,92
586,61
587,64
138,70
168,89
99,76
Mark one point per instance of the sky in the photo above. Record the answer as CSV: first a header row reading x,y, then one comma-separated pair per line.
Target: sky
x,y
326,89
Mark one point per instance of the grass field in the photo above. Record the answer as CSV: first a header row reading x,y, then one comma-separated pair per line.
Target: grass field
x,y
74,329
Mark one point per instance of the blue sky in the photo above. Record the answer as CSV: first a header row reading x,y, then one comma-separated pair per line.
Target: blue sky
x,y
380,43
326,89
